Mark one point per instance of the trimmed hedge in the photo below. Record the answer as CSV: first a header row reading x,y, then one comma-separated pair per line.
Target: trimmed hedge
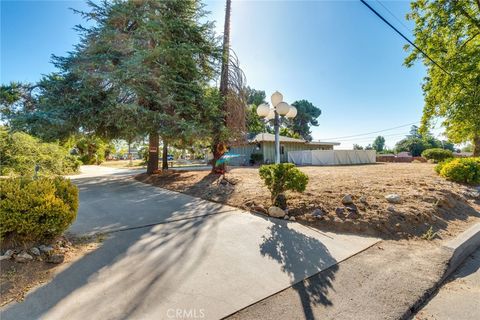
x,y
466,170
36,209
282,177
20,152
437,154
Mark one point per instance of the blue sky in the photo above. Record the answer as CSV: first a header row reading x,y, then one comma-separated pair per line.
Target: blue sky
x,y
336,54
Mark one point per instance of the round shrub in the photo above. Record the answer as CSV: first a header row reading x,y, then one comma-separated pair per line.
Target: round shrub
x,y
20,153
466,170
36,209
282,177
437,154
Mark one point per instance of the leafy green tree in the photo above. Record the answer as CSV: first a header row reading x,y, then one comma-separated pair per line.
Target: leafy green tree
x,y
286,132
307,115
357,147
378,144
414,132
255,97
413,145
253,122
448,31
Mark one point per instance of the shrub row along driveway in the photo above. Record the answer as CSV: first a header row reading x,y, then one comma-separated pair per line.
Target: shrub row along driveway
x,y
169,255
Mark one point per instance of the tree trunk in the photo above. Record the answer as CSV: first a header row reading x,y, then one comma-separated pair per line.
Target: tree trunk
x,y
153,141
130,160
223,81
165,156
476,146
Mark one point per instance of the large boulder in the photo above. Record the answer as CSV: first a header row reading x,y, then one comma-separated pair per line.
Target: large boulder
x,y
276,212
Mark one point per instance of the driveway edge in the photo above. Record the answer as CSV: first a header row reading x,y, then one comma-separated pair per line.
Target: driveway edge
x,y
461,247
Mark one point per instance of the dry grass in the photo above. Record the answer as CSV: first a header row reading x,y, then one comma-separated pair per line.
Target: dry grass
x,y
122,164
427,200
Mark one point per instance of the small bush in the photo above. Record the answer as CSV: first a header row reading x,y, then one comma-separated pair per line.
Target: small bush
x,y
282,177
256,157
36,209
466,170
437,154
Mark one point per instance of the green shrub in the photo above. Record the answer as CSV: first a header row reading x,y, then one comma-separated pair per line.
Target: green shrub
x,y
437,154
282,177
20,153
93,150
256,157
466,170
36,209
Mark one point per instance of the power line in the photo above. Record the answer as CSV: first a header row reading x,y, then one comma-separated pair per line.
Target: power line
x,y
403,36
394,16
371,137
364,134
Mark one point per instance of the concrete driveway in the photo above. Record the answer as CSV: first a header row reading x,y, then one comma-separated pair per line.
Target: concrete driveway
x,y
172,256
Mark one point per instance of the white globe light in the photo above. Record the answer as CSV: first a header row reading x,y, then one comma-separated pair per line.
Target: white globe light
x,y
292,112
282,108
271,115
263,110
277,97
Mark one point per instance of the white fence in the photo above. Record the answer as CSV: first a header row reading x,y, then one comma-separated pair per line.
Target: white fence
x,y
331,157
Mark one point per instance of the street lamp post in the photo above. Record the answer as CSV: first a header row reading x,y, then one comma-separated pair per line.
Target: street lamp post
x,y
279,110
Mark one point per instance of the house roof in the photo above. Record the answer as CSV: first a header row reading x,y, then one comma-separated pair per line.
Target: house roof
x,y
268,137
324,143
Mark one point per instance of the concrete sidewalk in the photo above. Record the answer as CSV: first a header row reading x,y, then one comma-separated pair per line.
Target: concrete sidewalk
x,y
459,298
177,256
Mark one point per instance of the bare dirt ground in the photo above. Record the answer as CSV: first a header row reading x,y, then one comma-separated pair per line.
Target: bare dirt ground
x,y
386,281
427,200
16,279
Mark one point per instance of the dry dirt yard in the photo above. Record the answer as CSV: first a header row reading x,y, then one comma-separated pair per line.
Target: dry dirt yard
x,y
427,201
17,279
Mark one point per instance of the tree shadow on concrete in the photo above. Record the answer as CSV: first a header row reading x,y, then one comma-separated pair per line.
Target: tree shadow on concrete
x,y
131,268
301,257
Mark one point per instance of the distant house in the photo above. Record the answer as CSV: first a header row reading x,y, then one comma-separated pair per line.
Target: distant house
x,y
264,145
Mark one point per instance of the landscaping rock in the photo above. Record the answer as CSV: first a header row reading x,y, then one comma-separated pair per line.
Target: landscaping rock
x,y
276,212
393,198
260,209
23,257
45,249
363,199
35,251
286,217
347,199
391,208
292,218
55,258
9,253
4,257
318,213
340,211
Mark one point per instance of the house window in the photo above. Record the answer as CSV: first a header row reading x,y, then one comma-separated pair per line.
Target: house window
x,y
282,150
